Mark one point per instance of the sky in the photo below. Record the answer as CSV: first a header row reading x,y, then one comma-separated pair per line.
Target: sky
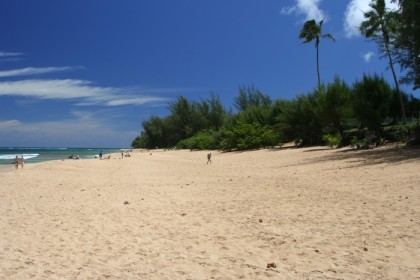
x,y
87,73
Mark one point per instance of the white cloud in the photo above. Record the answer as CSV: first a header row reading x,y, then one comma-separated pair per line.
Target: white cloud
x,y
54,89
367,57
9,124
83,130
9,54
34,71
84,92
353,16
309,8
135,101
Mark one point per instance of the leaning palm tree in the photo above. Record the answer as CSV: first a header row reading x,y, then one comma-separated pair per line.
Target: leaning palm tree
x,y
380,26
312,31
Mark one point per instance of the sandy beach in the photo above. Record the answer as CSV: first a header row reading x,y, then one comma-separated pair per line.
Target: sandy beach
x,y
310,213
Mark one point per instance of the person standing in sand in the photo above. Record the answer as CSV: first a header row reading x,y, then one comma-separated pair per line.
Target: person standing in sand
x,y
100,154
209,158
18,161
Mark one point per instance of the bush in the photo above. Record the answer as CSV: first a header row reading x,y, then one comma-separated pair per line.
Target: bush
x,y
247,136
361,143
200,141
332,140
398,133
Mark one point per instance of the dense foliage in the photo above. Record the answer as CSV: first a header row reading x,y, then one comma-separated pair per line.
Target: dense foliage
x,y
333,114
406,43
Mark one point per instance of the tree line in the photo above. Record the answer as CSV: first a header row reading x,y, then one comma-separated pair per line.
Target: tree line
x,y
336,110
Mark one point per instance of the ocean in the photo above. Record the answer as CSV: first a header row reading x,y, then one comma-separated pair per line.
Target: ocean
x,y
32,155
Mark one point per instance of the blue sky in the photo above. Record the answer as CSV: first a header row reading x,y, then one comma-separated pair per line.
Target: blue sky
x,y
87,73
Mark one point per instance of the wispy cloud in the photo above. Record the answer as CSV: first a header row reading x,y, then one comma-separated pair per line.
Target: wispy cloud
x,y
35,71
354,15
367,57
82,130
83,92
9,124
309,8
10,56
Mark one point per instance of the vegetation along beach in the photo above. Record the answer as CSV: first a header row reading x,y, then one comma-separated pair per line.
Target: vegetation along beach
x,y
210,139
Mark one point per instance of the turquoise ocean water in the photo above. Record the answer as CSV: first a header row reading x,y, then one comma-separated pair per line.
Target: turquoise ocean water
x,y
32,155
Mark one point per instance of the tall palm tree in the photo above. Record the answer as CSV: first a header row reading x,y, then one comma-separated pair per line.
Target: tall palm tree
x,y
312,31
380,26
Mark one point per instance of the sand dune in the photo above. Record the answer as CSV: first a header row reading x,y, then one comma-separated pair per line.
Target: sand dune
x,y
311,213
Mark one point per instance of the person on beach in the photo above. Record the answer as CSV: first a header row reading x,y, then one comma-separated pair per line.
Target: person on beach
x,y
100,154
18,161
209,158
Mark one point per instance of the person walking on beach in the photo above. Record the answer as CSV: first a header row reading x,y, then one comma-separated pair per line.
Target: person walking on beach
x,y
209,158
100,154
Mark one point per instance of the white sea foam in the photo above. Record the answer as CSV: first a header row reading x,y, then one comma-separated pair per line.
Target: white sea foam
x,y
25,156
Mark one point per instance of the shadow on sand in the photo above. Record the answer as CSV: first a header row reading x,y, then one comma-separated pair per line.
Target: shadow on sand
x,y
389,154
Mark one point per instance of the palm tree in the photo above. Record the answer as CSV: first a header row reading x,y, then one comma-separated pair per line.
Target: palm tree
x,y
312,31
379,26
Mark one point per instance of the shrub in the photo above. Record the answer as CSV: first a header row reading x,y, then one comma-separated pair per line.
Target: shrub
x,y
398,133
200,141
332,140
245,136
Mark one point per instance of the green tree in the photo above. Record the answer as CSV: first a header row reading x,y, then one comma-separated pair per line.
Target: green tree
x,y
333,105
380,25
213,112
394,105
370,100
313,31
298,119
155,133
407,41
253,106
181,117
250,96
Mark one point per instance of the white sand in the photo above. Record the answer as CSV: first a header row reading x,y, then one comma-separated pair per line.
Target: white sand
x,y
313,212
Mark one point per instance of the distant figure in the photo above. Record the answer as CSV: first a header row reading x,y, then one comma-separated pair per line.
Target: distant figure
x,y
100,154
209,158
122,154
18,161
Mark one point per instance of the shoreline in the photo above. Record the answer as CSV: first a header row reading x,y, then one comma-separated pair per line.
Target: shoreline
x,y
312,212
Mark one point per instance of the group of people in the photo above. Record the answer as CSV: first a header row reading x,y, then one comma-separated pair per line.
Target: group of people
x,y
127,154
19,160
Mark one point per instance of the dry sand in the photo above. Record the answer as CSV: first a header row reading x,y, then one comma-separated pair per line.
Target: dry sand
x,y
313,212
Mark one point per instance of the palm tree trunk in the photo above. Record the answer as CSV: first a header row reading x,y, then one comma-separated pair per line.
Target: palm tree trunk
x,y
391,64
317,66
